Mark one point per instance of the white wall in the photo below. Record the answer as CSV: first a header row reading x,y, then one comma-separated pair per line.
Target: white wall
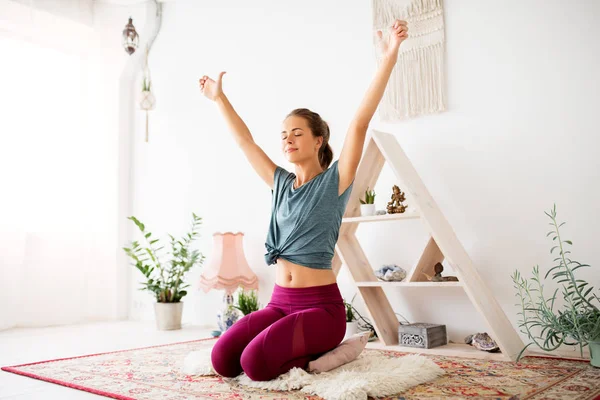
x,y
520,134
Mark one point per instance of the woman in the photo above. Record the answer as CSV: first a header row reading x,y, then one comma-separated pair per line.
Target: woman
x,y
305,317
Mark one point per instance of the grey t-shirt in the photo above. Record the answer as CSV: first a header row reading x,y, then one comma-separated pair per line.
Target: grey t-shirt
x,y
305,222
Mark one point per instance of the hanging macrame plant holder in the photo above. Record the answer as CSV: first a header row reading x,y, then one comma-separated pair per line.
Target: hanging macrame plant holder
x,y
147,100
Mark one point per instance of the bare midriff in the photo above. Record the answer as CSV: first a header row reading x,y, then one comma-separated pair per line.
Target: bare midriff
x,y
297,276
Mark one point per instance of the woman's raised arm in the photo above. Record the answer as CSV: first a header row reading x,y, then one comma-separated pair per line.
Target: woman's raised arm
x,y
261,163
355,137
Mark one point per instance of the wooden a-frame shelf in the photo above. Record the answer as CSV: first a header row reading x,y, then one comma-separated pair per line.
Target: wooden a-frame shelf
x,y
442,245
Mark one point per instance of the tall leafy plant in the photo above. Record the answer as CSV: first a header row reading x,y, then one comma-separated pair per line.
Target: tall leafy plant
x,y
165,279
546,323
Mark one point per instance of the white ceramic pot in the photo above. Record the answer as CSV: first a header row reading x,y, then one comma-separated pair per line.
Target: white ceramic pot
x,y
351,328
367,210
595,352
168,315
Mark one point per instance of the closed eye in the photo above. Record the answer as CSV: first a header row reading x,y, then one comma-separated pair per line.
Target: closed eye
x,y
296,131
296,134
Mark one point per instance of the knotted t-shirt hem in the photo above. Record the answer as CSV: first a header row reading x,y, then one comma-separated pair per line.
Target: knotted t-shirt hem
x,y
319,263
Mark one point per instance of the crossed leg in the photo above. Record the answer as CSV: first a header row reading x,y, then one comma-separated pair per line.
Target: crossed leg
x,y
293,341
226,353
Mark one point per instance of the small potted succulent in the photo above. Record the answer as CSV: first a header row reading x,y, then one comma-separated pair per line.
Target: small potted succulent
x,y
367,206
165,279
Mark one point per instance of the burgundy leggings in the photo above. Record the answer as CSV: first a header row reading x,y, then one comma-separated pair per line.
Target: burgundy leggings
x,y
297,326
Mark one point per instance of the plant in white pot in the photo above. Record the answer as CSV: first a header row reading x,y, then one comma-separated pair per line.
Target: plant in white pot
x,y
356,323
576,321
367,206
147,99
351,320
165,279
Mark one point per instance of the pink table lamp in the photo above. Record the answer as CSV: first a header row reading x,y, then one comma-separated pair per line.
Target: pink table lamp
x,y
228,269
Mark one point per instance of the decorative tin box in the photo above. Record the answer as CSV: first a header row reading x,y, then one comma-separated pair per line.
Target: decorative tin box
x,y
422,335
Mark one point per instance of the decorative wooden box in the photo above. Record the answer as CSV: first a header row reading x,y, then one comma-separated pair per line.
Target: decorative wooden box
x,y
422,335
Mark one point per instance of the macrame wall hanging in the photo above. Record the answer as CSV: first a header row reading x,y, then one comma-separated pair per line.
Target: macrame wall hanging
x,y
417,85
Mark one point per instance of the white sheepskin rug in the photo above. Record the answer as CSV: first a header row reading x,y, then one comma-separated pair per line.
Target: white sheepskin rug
x,y
371,374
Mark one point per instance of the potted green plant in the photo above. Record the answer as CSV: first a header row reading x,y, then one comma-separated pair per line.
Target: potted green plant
x,y
549,325
165,279
362,324
247,301
146,98
351,319
367,206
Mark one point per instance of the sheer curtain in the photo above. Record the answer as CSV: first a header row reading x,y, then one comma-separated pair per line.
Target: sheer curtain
x,y
58,163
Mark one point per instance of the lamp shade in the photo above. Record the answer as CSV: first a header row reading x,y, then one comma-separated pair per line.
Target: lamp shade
x,y
228,267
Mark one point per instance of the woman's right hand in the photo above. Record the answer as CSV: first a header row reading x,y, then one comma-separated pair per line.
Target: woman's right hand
x,y
210,88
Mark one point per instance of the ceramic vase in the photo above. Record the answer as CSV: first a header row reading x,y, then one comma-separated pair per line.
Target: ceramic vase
x,y
227,315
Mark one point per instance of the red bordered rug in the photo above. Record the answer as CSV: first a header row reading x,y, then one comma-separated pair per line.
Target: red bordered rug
x,y
156,373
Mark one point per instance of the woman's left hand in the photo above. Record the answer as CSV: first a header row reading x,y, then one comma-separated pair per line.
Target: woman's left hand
x,y
398,33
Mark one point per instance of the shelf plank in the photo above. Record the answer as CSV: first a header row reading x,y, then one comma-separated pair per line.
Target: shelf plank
x,y
407,284
448,350
380,218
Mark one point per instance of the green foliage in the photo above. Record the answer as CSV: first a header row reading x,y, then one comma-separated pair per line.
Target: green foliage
x,y
146,83
247,301
369,197
352,314
350,317
165,278
577,321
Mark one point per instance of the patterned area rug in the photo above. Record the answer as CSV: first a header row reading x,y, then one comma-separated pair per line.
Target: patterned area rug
x,y
155,372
